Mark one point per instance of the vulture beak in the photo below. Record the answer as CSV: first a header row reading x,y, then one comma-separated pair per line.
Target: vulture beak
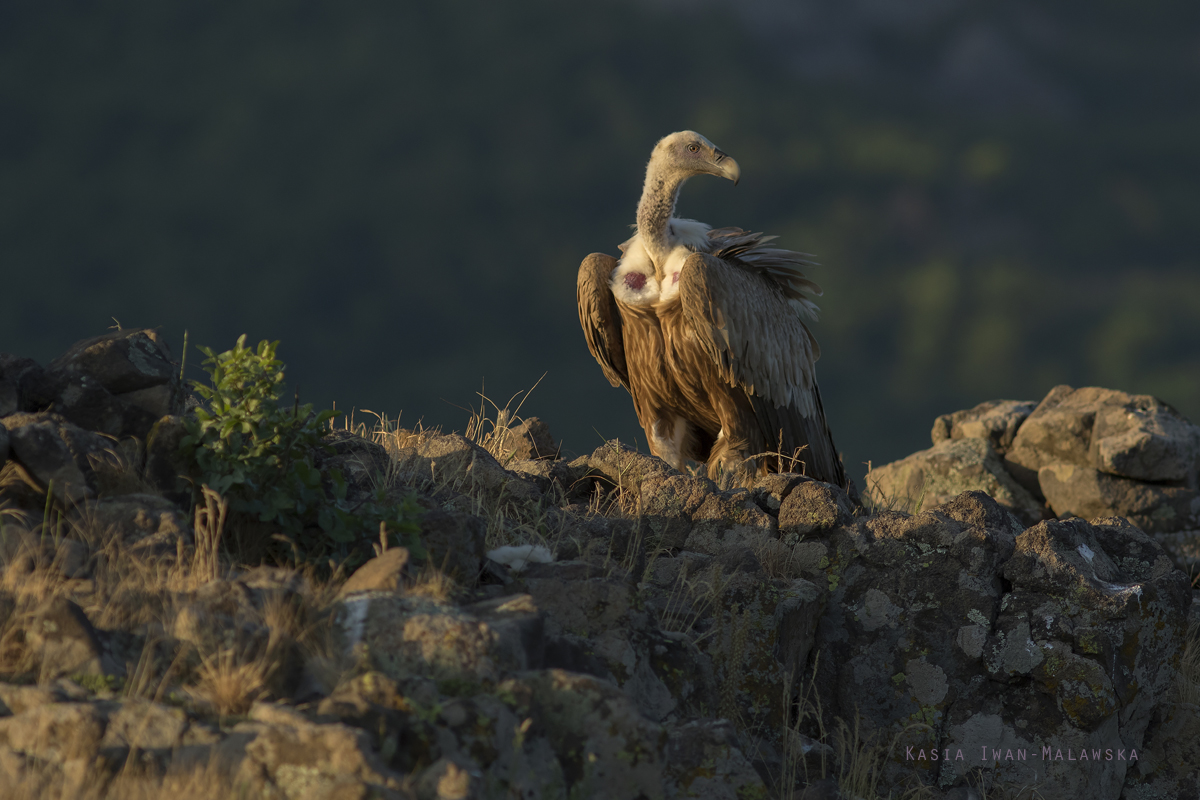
x,y
726,167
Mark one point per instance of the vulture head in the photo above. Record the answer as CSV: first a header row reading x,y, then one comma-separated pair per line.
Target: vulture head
x,y
674,159
687,153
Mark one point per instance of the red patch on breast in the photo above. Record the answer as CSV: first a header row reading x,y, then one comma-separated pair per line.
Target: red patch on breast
x,y
675,278
635,281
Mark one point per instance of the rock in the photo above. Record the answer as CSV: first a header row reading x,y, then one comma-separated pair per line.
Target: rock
x,y
518,626
362,463
53,449
146,522
822,789
812,506
807,755
517,557
529,439
606,748
759,634
413,635
455,542
145,725
61,640
1082,491
228,615
668,503
578,598
3,444
926,479
460,464
10,400
911,603
615,466
1058,430
1145,439
1169,766
996,421
728,519
122,360
19,489
447,780
22,552
157,401
547,475
17,699
1184,549
1134,436
17,374
165,467
370,701
593,625
703,760
298,758
1084,640
772,489
384,573
54,732
82,400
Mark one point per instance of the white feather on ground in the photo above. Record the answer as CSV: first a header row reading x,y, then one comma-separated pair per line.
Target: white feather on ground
x,y
518,557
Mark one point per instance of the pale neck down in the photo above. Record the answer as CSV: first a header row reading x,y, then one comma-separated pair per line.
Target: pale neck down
x,y
657,206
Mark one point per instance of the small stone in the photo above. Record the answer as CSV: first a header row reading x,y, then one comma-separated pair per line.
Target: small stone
x,y
384,573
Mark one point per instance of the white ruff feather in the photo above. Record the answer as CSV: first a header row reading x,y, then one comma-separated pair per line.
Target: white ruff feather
x,y
685,236
689,233
671,270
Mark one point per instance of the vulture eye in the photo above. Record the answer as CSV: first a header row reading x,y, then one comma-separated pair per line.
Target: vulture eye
x,y
693,147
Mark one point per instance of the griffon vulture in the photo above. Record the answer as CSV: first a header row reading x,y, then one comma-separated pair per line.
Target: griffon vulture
x,y
705,328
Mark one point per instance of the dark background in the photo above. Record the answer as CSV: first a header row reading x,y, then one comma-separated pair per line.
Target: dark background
x,y
1003,196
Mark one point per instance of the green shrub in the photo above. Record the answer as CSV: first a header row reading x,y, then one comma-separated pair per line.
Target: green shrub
x,y
261,458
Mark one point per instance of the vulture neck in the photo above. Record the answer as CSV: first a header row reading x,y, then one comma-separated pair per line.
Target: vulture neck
x,y
655,211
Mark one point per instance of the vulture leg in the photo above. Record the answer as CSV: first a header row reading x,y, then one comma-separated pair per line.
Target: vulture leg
x,y
671,436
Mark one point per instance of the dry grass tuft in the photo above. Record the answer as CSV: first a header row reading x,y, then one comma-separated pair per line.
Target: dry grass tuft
x,y
694,598
492,432
230,684
209,527
118,470
876,500
140,593
777,559
978,781
95,781
1187,683
434,584
855,761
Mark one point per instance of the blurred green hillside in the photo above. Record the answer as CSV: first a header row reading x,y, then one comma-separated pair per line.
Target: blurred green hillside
x,y
402,194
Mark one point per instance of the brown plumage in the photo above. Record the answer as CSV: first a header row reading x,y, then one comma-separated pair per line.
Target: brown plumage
x,y
704,328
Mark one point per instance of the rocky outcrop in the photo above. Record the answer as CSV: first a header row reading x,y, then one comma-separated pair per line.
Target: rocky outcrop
x,y
670,639
80,425
996,421
932,477
1085,453
976,636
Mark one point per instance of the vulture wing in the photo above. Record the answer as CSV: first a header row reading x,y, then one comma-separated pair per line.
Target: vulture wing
x,y
780,266
747,319
600,319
